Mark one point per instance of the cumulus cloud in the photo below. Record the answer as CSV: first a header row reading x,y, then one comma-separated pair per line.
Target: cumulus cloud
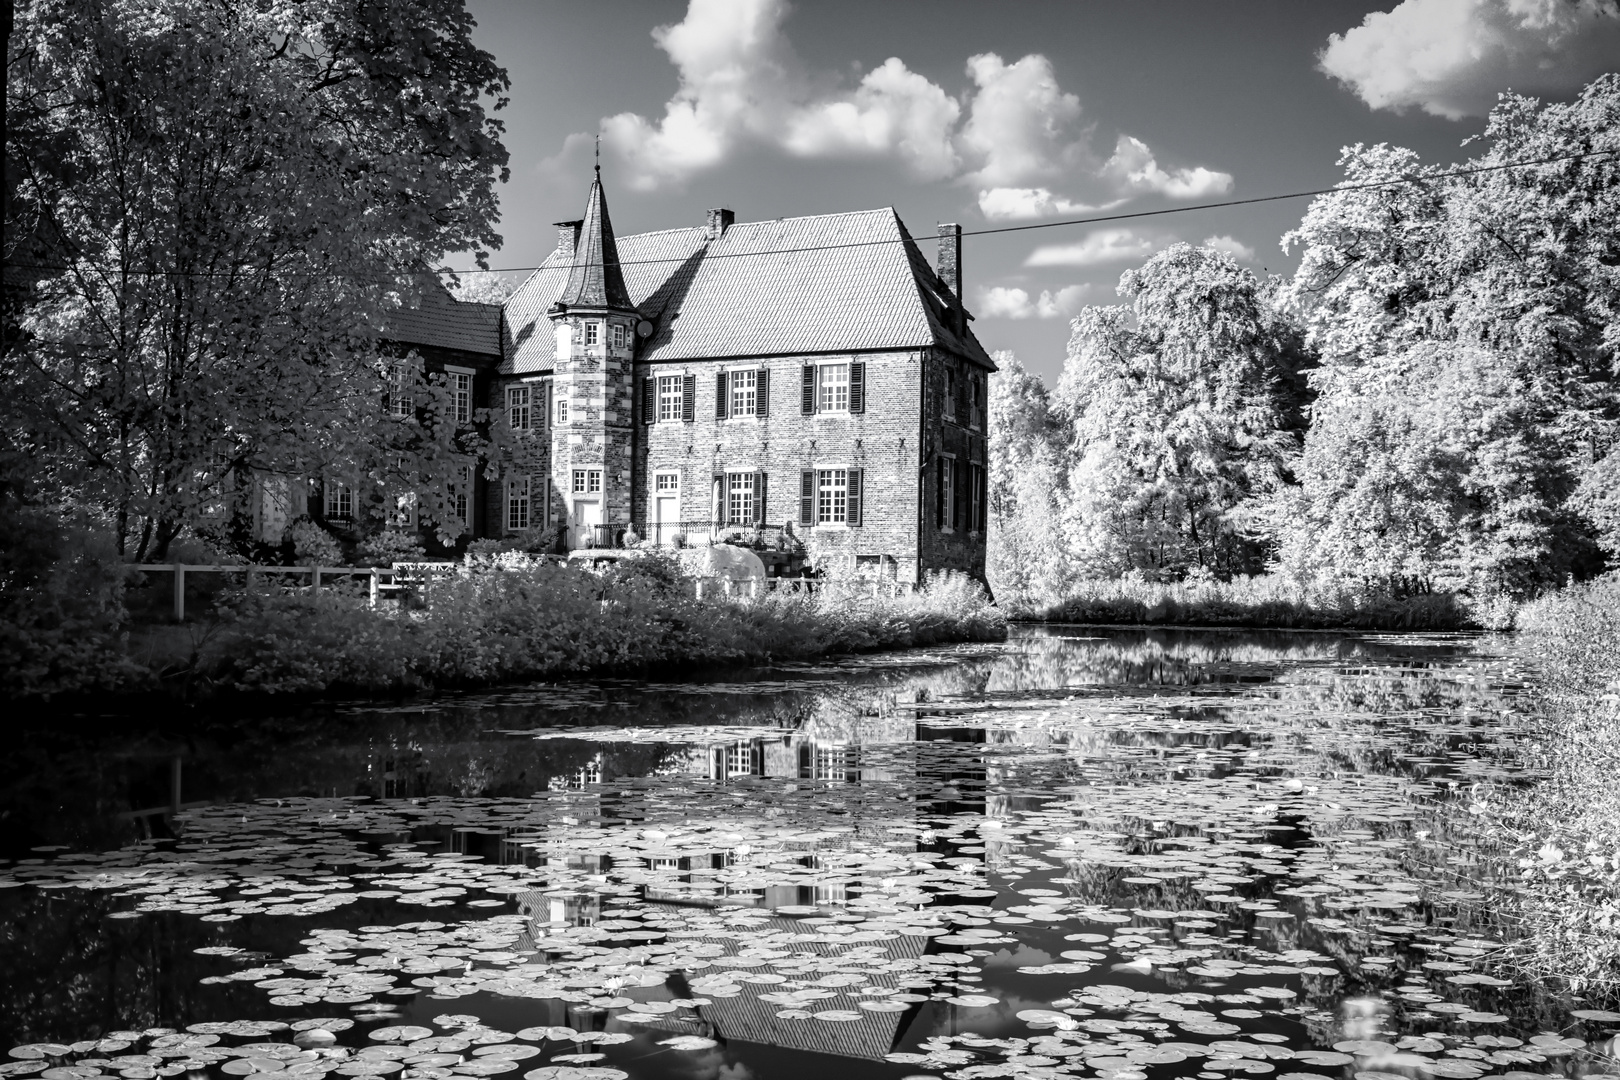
x,y
1097,247
1014,135
1134,168
1451,58
1231,245
1002,302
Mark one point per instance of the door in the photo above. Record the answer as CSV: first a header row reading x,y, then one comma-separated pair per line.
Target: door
x,y
666,515
587,516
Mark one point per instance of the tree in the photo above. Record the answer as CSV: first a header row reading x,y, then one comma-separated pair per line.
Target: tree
x,y
218,199
1182,410
1027,557
1470,345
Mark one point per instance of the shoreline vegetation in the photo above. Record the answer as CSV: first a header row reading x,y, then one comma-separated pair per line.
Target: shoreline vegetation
x,y
495,625
1562,834
1260,602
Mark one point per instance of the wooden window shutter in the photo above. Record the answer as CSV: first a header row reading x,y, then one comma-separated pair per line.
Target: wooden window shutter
x,y
545,406
762,393
857,388
807,394
722,406
984,499
958,497
807,497
689,398
722,504
939,493
649,399
759,497
856,496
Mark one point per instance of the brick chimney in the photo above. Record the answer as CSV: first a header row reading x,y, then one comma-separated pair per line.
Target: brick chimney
x,y
948,265
718,221
568,237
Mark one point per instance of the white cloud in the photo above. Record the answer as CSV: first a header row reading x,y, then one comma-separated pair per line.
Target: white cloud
x,y
1019,204
1134,168
1013,135
1452,57
1001,302
1231,245
1098,246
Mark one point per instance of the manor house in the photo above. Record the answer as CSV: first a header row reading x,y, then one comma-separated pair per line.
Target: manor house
x,y
812,376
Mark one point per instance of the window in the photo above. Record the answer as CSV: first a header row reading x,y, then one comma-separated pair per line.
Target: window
x,y
517,503
618,335
401,402
832,496
976,515
740,759
339,500
975,403
461,486
946,491
740,499
671,397
832,388
587,482
667,483
518,416
593,333
744,393
461,392
562,410
950,395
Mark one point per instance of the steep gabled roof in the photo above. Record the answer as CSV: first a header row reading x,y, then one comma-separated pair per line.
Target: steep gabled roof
x,y
440,320
595,279
831,283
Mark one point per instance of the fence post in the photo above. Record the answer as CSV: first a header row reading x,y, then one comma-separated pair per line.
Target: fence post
x,y
315,578
179,592
700,588
373,591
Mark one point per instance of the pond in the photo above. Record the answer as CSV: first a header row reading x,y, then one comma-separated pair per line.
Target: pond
x,y
1125,854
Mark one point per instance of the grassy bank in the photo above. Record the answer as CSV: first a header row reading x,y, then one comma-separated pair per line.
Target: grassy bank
x,y
1267,601
535,622
1564,831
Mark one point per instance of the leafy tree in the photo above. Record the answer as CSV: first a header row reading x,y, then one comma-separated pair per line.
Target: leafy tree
x,y
1470,345
218,198
1181,409
1027,555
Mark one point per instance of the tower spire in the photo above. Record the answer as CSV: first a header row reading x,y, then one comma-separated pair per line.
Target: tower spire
x,y
595,280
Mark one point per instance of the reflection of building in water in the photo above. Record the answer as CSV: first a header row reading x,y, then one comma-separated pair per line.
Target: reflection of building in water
x,y
561,908
588,773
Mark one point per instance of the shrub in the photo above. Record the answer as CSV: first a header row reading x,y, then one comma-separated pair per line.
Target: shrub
x,y
313,545
389,547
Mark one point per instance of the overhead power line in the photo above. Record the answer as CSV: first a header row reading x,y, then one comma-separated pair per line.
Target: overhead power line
x,y
1101,219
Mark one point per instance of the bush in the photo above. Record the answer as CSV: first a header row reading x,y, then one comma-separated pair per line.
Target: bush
x,y
61,607
389,547
313,545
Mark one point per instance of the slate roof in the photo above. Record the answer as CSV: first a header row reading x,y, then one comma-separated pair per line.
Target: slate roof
x,y
831,283
596,280
442,321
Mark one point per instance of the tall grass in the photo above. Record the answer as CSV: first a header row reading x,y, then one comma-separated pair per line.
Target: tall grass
x,y
1267,600
536,622
1564,831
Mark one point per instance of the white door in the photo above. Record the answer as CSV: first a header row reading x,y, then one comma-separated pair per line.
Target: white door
x,y
666,515
587,515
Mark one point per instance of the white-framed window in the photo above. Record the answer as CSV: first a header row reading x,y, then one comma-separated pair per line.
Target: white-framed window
x,y
338,501
401,380
618,335
947,493
461,488
740,759
832,496
593,333
461,393
587,482
564,336
950,395
832,388
667,483
740,498
744,388
975,403
519,416
671,397
518,503
561,409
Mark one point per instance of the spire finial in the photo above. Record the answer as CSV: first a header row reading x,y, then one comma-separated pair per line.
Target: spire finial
x,y
599,155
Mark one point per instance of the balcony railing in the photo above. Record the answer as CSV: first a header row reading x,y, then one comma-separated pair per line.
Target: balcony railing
x,y
676,534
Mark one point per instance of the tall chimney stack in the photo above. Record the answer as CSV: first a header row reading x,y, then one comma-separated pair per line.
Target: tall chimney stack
x,y
568,237
719,220
948,264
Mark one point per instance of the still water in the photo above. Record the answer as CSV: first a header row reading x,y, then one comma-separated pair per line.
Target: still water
x,y
1122,854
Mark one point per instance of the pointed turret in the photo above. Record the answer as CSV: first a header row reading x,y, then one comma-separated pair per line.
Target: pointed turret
x,y
595,280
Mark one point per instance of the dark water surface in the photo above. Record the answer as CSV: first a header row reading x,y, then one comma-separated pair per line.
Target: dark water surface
x,y
1122,854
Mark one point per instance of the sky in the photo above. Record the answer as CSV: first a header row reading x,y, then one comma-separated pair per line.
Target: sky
x,y
995,114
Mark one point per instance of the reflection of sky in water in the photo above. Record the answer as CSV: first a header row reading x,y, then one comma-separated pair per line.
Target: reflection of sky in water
x,y
1130,854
